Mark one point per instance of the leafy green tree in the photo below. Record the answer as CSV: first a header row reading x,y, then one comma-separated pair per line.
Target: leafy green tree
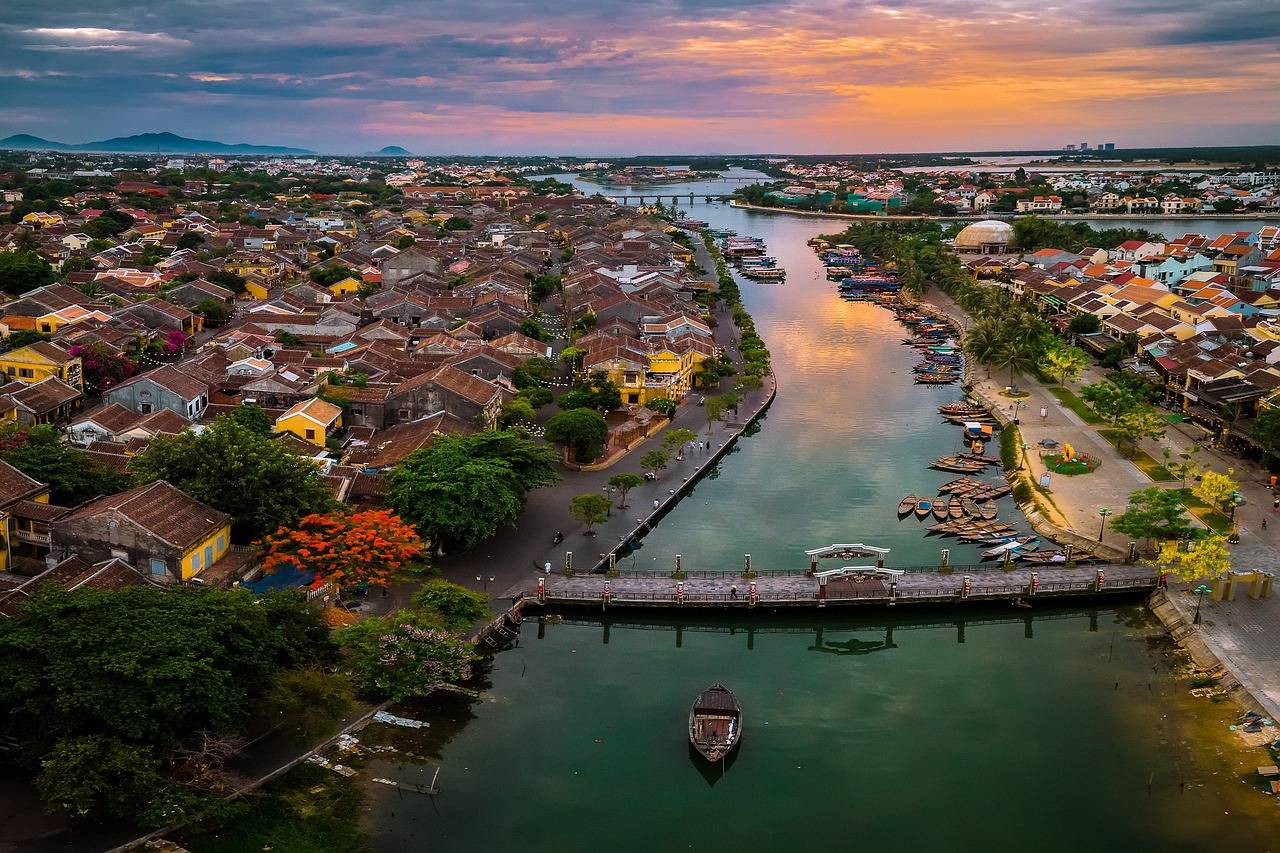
x,y
405,656
1066,363
571,357
325,276
531,372
461,489
23,271
72,475
1216,489
517,410
717,406
582,430
679,437
457,223
982,343
654,460
252,417
190,240
458,607
310,702
591,509
110,692
214,312
1154,514
624,483
1137,424
1084,324
239,471
1266,431
596,392
22,338
1017,356
1110,400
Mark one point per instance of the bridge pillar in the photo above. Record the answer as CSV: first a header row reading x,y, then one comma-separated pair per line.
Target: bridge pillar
x,y
568,563
751,637
613,562
679,636
966,586
1033,585
679,564
542,627
1093,621
604,634
1028,631
813,566
1099,580
960,631
893,592
1132,556
1068,551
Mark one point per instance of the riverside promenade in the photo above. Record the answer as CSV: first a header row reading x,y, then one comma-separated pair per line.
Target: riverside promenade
x,y
863,586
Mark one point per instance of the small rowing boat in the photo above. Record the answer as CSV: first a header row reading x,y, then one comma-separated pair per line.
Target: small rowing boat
x,y
715,723
988,510
907,505
922,508
955,509
940,508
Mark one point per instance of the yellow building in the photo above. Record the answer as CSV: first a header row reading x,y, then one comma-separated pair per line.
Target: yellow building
x,y
667,371
16,491
38,361
348,286
311,420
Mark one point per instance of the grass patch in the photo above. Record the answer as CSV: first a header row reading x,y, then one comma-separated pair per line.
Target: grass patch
x,y
1146,464
308,810
1081,409
1069,467
1213,519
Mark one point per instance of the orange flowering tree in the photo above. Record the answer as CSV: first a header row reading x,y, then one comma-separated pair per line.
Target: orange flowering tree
x,y
345,548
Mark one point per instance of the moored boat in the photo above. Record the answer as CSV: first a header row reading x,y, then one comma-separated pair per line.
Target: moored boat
x,y
907,505
923,508
715,723
940,510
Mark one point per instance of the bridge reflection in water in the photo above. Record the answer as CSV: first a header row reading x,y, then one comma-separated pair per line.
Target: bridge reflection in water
x,y
822,628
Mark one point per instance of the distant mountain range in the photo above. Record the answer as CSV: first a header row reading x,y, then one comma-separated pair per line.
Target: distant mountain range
x,y
146,143
391,151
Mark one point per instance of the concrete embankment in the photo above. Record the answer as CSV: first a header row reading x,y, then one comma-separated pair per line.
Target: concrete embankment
x,y
978,217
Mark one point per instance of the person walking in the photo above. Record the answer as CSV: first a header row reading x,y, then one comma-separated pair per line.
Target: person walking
x,y
1044,413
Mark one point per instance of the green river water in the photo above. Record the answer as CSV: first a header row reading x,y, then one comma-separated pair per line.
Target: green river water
x,y
927,730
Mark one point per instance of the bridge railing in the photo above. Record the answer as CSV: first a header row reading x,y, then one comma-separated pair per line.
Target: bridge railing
x,y
955,569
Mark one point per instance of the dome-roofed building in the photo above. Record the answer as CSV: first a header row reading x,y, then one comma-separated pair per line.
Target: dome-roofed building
x,y
988,237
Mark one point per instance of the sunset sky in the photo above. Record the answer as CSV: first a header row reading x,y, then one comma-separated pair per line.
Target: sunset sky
x,y
611,77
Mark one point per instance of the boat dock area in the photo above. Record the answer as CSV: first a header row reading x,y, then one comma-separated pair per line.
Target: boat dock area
x,y
842,587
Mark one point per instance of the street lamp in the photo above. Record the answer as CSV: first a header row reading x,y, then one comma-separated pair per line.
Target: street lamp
x,y
1103,512
484,581
1236,499
1017,406
1022,459
1199,591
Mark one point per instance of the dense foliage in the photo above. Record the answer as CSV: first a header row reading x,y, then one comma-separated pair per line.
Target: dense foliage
x,y
73,476
582,430
345,548
405,656
239,471
124,700
461,489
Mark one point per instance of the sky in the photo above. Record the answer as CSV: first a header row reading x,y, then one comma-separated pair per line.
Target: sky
x,y
610,77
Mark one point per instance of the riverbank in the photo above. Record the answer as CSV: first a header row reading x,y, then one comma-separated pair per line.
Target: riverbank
x,y
977,217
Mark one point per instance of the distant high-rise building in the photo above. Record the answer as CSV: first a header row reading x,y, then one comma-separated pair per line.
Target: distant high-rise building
x,y
1084,146
1070,148
1108,146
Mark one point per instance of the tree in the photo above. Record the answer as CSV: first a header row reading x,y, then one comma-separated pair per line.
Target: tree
x,y
531,372
590,509
654,460
22,338
1066,363
1018,356
1140,423
717,406
457,223
1110,400
624,483
405,656
225,278
325,276
1207,558
982,343
23,271
1217,489
310,701
252,417
1155,514
679,437
72,475
238,471
1186,465
190,240
596,392
105,690
345,549
571,357
458,607
1266,430
460,489
516,411
582,430
214,312
1084,324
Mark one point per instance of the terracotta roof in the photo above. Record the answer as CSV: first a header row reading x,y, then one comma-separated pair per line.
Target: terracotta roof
x,y
320,411
15,485
169,376
112,417
160,509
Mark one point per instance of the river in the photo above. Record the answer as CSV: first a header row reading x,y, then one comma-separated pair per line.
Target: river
x,y
931,730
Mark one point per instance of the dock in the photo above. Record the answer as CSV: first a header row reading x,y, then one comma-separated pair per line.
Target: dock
x,y
865,586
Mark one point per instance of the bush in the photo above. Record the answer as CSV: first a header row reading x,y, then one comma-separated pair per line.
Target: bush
x,y
457,606
1022,492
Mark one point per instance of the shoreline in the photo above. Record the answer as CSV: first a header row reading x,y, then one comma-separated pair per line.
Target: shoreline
x,y
979,217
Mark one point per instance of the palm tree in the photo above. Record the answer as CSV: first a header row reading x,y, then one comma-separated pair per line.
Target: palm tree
x,y
1018,356
983,342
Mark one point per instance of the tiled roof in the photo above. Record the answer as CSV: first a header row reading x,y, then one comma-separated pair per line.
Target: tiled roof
x,y
160,509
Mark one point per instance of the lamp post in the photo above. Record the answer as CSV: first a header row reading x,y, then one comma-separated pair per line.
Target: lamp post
x,y
1199,591
1103,512
484,582
1236,499
1017,406
1023,459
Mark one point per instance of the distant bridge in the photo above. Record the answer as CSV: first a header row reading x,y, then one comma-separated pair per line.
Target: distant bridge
x,y
675,198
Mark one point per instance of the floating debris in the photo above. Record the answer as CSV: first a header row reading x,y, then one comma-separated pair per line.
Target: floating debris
x,y
405,722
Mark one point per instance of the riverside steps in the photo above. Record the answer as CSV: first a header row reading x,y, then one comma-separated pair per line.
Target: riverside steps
x,y
867,586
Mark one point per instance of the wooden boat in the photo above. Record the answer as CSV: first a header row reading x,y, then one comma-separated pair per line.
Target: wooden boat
x,y
954,508
988,510
1014,546
715,723
907,505
963,409
940,508
958,466
1044,558
923,507
971,507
